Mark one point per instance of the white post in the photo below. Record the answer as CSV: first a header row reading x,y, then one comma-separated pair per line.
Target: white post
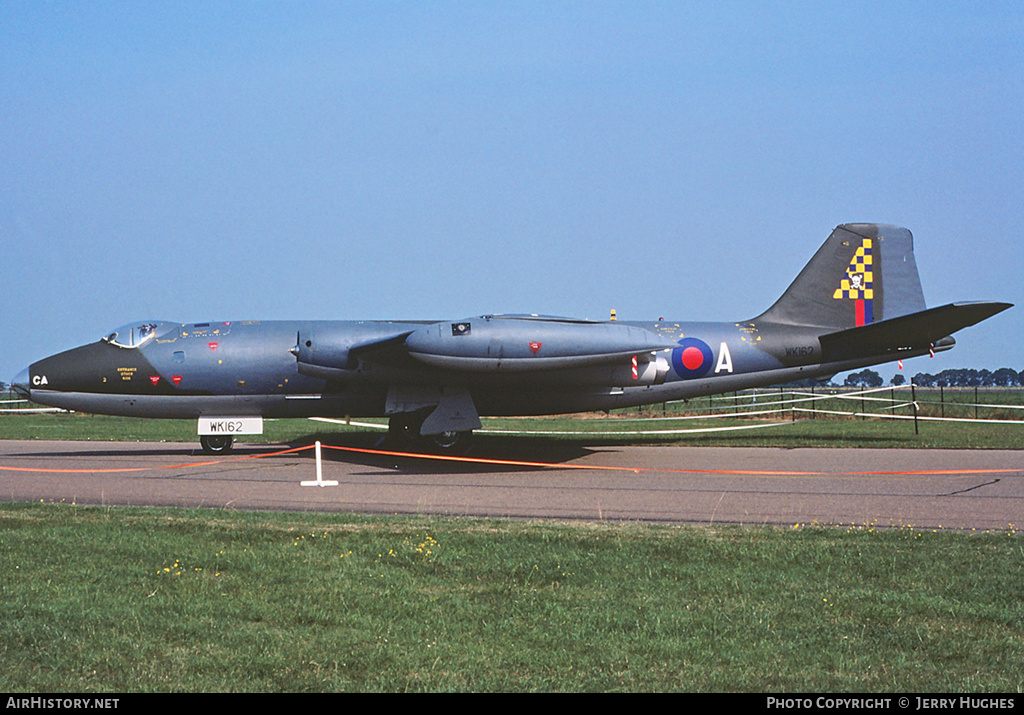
x,y
319,465
319,473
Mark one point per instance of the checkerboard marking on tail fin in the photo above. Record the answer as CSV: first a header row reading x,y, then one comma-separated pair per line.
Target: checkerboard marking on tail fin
x,y
858,285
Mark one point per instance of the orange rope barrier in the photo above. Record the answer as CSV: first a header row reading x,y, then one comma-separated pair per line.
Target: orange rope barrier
x,y
637,470
145,469
519,463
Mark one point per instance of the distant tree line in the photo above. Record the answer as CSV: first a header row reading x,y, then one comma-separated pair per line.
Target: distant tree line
x,y
965,377
955,377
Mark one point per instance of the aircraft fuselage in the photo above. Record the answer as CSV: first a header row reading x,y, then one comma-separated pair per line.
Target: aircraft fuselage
x,y
251,368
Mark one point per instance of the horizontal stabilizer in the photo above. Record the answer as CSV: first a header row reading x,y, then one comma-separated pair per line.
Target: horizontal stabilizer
x,y
914,332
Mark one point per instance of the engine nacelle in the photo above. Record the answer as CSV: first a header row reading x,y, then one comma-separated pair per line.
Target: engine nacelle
x,y
524,344
479,350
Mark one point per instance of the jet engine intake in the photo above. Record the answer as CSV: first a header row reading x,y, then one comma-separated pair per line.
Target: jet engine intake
x,y
321,357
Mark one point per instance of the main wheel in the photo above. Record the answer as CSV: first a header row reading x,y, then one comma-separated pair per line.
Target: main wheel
x,y
216,444
451,442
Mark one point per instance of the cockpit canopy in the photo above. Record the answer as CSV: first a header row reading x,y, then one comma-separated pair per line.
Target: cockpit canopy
x,y
136,335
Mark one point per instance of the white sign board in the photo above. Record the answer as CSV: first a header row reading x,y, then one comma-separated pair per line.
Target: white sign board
x,y
230,425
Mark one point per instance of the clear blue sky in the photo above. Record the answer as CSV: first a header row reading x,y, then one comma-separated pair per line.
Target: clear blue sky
x,y
244,160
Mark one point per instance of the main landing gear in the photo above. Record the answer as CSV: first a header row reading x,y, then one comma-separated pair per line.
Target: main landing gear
x,y
404,434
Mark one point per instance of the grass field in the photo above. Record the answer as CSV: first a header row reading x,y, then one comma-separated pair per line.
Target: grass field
x,y
132,600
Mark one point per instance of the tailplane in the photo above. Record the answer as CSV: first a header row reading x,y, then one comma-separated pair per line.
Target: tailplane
x,y
928,330
863,273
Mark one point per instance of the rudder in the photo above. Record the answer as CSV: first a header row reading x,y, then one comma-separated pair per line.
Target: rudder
x,y
863,273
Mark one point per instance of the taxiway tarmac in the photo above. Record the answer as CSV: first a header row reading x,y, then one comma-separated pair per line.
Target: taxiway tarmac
x,y
957,489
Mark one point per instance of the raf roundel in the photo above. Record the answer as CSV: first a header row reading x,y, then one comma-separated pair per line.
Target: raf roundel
x,y
692,358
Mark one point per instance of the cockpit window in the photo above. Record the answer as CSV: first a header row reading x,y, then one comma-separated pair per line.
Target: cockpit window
x,y
135,335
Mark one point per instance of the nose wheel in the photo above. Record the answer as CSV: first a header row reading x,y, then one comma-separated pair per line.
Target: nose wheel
x,y
216,444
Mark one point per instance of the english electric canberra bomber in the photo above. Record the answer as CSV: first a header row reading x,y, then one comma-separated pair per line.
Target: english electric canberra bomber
x,y
858,302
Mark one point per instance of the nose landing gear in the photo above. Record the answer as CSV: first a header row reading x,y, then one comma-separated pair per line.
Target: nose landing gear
x,y
216,443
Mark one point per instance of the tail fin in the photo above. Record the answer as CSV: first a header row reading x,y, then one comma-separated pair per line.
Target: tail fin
x,y
863,273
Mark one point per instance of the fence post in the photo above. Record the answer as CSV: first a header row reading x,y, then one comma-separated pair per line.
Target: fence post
x,y
913,401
